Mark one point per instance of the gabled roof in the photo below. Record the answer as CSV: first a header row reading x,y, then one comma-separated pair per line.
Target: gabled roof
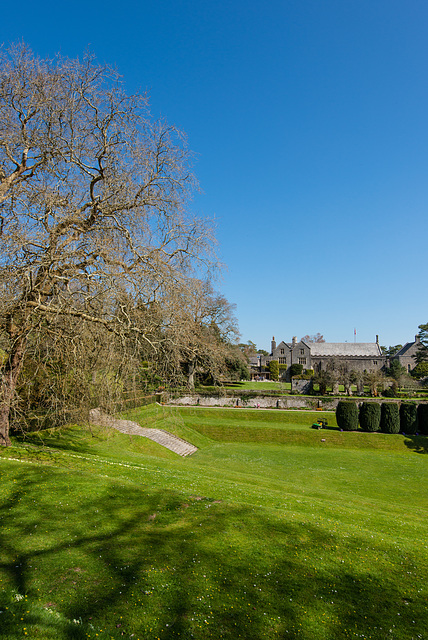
x,y
403,350
292,345
368,349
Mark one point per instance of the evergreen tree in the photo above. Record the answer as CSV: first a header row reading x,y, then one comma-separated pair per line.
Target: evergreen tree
x,y
347,415
423,419
370,416
408,418
390,418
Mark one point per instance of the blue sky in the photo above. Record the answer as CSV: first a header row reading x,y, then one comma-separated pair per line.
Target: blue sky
x,y
309,121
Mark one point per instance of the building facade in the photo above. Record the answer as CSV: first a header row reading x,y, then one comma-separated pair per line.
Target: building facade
x,y
407,354
357,356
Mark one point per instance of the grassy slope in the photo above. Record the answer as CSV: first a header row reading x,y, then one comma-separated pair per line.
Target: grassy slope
x,y
270,538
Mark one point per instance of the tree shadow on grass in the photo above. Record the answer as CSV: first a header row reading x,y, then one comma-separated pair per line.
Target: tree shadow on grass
x,y
418,444
64,438
123,560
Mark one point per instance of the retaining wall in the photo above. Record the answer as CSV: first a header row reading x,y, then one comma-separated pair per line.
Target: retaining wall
x,y
272,402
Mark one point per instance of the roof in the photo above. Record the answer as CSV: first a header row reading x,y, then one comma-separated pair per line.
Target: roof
x,y
368,349
403,350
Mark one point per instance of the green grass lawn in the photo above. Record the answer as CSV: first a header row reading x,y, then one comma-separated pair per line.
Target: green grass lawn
x,y
271,530
261,386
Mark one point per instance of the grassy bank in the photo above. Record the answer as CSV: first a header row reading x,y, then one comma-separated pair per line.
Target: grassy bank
x,y
110,536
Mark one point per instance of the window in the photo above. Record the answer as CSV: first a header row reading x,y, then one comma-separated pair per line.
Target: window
x,y
282,351
374,361
283,361
302,360
302,351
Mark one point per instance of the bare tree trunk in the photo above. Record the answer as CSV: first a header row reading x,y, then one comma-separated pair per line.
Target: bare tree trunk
x,y
191,374
9,381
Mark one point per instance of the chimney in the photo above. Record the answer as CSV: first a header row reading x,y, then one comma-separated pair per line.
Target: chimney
x,y
272,345
377,339
294,341
418,338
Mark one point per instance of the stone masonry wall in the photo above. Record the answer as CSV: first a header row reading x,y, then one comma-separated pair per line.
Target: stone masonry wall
x,y
271,402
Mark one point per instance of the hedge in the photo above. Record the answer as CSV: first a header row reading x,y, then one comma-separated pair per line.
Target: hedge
x,y
423,419
370,416
347,415
408,418
390,418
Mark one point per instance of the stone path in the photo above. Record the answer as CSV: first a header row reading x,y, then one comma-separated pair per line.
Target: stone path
x,y
164,438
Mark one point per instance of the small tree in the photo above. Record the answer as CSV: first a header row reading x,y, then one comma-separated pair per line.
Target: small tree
x,y
423,419
274,369
375,380
390,418
395,370
357,378
408,418
347,416
323,379
370,416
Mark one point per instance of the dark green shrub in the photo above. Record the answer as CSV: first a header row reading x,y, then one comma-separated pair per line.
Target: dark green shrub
x,y
347,415
389,393
408,418
370,416
423,419
390,418
296,369
421,370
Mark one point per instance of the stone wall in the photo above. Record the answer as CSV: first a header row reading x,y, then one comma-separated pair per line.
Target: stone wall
x,y
270,402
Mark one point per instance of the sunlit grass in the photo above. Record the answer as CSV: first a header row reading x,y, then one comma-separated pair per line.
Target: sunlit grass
x,y
107,536
266,385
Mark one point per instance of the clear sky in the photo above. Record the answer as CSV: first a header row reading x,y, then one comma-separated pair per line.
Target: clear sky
x,y
309,121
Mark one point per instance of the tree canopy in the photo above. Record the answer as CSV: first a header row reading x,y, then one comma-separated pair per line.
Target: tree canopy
x,y
422,353
95,229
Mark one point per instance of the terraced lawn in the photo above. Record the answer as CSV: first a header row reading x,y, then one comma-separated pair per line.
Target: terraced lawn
x,y
271,530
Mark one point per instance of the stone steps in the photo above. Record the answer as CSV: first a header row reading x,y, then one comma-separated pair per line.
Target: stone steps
x,y
164,438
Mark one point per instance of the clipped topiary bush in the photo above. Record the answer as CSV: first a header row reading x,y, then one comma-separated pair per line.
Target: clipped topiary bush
x,y
274,369
408,418
347,415
390,418
370,416
295,369
423,419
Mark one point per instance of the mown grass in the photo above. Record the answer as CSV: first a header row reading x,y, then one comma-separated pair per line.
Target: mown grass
x,y
255,385
107,536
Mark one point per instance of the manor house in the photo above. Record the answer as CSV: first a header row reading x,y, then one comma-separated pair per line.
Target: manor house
x,y
357,356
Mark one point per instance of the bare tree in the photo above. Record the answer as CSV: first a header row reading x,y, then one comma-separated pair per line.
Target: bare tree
x,y
93,206
317,337
200,327
376,381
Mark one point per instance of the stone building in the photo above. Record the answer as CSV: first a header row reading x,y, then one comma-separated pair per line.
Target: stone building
x,y
407,354
357,356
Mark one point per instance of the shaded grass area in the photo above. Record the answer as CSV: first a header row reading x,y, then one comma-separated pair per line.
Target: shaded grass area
x,y
104,538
